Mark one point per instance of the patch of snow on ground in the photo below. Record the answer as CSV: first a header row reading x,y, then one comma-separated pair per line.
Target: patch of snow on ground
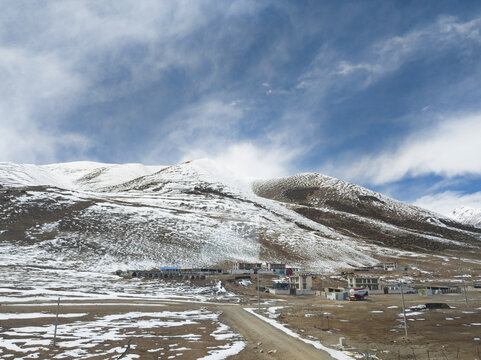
x,y
16,316
225,351
245,282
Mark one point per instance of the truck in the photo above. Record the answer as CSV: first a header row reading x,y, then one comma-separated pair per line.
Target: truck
x,y
356,294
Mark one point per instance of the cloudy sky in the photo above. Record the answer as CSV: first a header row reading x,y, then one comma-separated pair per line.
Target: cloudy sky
x,y
383,94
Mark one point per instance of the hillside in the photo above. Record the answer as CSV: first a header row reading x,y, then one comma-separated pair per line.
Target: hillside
x,y
105,217
355,211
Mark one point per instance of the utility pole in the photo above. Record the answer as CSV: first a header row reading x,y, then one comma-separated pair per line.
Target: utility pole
x,y
404,310
56,322
258,294
465,293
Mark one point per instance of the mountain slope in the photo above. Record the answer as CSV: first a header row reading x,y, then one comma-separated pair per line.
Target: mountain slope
x,y
365,214
197,213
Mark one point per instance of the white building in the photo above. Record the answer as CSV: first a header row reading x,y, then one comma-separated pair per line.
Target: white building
x,y
301,284
370,283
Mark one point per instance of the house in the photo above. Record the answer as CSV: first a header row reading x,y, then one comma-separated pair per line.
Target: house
x,y
390,265
333,293
301,284
364,282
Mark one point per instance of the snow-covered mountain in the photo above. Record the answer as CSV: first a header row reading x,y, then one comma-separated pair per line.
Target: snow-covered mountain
x,y
105,216
467,215
81,175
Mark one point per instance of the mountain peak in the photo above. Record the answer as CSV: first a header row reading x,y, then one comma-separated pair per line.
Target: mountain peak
x,y
467,215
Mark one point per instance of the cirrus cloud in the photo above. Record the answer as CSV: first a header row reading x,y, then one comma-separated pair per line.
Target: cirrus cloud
x,y
450,148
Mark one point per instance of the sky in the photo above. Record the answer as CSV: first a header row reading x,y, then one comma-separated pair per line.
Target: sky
x,y
384,94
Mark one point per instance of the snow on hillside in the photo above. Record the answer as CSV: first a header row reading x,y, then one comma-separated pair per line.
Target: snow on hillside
x,y
196,213
97,176
17,175
81,175
330,188
467,215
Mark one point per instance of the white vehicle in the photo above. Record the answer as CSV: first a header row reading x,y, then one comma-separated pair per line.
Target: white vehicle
x,y
357,294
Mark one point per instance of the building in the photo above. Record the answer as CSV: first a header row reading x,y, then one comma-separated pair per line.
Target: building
x,y
390,265
387,266
437,290
371,283
301,284
247,266
395,289
273,266
294,270
276,268
280,287
474,287
364,268
333,293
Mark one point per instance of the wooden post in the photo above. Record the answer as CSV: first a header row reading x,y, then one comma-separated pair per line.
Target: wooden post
x,y
404,310
56,322
258,294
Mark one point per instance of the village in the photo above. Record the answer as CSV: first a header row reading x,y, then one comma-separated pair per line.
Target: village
x,y
279,279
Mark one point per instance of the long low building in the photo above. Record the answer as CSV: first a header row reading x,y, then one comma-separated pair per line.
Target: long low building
x,y
166,272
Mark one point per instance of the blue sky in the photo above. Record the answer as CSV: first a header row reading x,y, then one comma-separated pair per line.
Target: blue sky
x,y
382,94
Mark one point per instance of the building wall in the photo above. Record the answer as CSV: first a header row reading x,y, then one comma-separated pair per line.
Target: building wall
x,y
273,266
246,266
301,282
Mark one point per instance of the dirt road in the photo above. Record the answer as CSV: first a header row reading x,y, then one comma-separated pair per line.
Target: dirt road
x,y
257,331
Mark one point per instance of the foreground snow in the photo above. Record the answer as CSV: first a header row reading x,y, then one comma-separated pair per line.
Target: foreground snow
x,y
93,338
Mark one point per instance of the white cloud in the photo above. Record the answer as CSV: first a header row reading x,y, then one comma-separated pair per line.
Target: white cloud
x,y
35,89
390,54
449,149
211,129
344,68
445,202
248,161
54,57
